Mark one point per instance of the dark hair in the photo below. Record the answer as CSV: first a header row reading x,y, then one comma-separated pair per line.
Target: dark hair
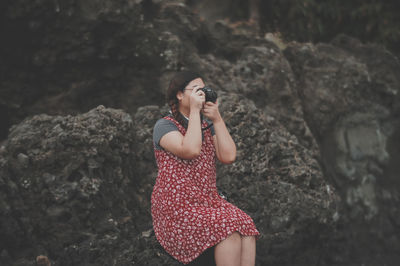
x,y
178,83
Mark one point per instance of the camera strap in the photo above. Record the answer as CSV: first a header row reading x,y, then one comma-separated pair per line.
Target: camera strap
x,y
207,127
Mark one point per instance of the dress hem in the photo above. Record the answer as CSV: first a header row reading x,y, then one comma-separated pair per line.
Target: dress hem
x,y
215,242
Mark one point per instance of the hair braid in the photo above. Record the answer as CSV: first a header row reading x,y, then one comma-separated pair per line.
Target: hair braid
x,y
173,104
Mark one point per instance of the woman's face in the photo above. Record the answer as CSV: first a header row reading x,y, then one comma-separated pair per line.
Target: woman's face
x,y
184,97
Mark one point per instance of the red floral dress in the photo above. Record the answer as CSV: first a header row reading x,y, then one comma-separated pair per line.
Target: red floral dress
x,y
188,214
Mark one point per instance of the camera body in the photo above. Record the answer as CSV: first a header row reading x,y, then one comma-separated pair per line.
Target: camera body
x,y
211,95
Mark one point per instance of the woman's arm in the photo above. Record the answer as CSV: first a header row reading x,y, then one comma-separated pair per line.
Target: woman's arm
x,y
188,146
224,145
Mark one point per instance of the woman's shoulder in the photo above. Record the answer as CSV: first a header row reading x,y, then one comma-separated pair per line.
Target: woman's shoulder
x,y
162,127
164,122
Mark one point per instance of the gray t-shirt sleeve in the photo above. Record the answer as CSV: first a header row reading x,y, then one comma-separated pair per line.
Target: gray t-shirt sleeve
x,y
162,127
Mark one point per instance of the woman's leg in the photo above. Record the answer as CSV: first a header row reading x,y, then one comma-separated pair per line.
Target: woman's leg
x,y
248,252
227,252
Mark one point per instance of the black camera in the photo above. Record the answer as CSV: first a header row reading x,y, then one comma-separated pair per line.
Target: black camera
x,y
211,95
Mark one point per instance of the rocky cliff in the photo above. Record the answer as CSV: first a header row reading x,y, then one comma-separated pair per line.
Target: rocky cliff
x,y
316,125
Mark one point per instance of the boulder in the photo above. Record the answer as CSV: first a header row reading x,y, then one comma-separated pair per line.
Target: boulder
x,y
350,93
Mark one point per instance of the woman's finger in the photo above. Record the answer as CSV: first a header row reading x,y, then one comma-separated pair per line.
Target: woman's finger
x,y
200,92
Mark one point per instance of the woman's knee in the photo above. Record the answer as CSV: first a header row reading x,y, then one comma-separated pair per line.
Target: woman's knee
x,y
235,236
233,239
248,239
228,251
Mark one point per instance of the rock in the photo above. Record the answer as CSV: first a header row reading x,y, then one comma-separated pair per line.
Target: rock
x,y
274,179
350,97
76,183
76,52
88,185
277,181
316,127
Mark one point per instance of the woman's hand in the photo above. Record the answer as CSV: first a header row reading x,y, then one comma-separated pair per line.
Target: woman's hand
x,y
197,99
211,111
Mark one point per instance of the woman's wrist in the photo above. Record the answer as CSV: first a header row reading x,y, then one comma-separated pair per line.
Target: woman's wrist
x,y
217,119
194,111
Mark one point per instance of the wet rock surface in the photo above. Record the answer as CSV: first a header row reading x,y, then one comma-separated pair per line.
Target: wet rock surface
x,y
316,126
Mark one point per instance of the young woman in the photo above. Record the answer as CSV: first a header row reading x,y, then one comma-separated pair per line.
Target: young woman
x,y
188,214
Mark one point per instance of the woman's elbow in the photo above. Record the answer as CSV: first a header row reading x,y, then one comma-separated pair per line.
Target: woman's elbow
x,y
191,153
228,159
